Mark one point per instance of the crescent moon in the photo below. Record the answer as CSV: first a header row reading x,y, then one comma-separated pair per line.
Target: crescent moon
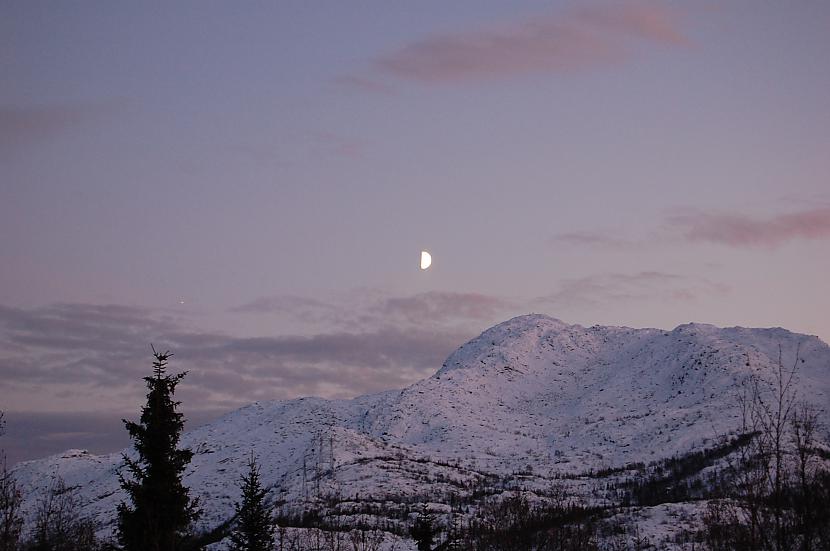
x,y
426,260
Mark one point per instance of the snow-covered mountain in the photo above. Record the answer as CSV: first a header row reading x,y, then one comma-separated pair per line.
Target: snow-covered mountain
x,y
532,398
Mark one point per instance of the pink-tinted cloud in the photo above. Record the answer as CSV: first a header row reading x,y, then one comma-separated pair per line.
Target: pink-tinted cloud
x,y
726,228
364,84
739,230
648,21
96,352
642,286
594,239
21,126
376,310
24,126
294,304
580,39
439,306
329,143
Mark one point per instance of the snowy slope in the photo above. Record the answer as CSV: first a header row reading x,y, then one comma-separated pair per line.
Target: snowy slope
x,y
531,395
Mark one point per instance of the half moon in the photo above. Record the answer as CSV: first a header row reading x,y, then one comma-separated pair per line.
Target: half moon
x,y
426,260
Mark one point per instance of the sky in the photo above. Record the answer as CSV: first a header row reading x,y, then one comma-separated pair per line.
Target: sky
x,y
250,186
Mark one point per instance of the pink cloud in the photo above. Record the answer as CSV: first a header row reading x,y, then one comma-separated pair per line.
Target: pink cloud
x,y
364,84
599,289
738,230
645,21
376,310
23,126
441,306
594,239
339,146
580,39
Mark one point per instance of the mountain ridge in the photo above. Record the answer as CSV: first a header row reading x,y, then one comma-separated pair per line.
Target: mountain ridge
x,y
532,394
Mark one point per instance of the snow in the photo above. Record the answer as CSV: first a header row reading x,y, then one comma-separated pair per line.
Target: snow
x,y
532,394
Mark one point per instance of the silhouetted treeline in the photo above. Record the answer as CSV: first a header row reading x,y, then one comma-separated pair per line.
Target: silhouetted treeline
x,y
678,479
515,523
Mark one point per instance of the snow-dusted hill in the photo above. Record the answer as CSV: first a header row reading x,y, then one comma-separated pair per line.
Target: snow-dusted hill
x,y
532,395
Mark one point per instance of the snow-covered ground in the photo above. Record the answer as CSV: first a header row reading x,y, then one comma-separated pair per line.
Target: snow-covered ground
x,y
532,400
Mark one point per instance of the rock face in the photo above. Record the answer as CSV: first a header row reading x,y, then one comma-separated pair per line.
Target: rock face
x,y
532,395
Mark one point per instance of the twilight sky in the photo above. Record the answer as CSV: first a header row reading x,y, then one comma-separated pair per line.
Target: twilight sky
x,y
250,185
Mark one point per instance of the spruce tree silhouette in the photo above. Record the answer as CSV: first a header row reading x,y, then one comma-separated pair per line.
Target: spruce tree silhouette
x,y
254,530
423,531
162,511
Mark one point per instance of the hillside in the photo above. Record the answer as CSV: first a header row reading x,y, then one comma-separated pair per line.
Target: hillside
x,y
531,403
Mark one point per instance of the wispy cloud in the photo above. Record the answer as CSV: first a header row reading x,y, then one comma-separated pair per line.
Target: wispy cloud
x,y
621,287
304,308
583,38
364,84
102,349
329,143
375,310
740,230
442,307
26,125
732,229
68,355
82,356
594,239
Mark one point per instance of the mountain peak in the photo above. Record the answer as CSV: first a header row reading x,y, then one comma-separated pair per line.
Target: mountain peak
x,y
518,333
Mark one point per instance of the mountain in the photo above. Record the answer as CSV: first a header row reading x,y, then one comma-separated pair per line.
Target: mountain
x,y
532,402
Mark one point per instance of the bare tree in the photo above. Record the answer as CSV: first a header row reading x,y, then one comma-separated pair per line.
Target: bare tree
x,y
11,522
775,417
366,540
810,511
775,499
58,524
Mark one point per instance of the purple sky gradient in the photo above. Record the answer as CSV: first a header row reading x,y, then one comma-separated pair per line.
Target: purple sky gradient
x,y
277,167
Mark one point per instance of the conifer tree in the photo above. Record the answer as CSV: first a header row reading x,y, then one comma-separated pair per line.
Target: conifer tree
x,y
161,513
423,532
254,530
